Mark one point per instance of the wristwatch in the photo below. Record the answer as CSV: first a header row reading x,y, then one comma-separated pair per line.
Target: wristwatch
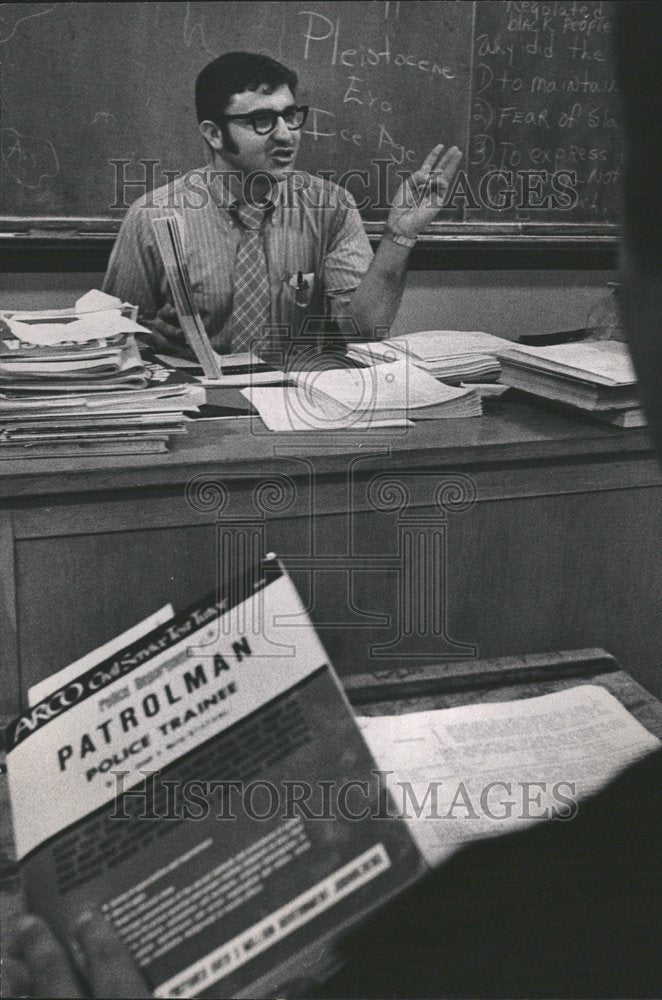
x,y
399,238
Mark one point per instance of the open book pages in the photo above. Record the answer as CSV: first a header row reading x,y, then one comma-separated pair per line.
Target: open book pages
x,y
461,774
583,394
284,408
450,355
360,399
433,345
602,362
388,391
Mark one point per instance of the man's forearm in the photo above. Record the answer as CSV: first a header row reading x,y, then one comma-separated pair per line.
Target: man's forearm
x,y
377,299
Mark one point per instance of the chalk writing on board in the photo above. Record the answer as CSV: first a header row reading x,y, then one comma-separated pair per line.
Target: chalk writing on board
x,y
391,9
322,124
104,118
29,159
194,30
338,50
13,14
358,93
525,88
545,95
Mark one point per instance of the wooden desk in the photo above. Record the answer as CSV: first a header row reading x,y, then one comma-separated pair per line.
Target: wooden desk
x,y
521,531
505,678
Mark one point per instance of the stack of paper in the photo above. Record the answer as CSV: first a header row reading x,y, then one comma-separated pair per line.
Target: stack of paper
x,y
359,398
595,376
49,351
448,760
452,356
389,392
73,382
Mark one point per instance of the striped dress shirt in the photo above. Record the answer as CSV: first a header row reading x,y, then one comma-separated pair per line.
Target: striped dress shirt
x,y
314,228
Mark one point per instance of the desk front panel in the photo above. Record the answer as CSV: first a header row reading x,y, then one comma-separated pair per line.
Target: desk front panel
x,y
404,567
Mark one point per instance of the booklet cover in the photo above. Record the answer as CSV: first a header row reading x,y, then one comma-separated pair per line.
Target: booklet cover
x,y
208,788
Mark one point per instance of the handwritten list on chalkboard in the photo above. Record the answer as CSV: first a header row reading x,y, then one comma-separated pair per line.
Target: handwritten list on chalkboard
x,y
545,100
98,103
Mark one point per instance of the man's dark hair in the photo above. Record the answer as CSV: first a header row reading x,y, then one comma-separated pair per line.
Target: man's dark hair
x,y
233,73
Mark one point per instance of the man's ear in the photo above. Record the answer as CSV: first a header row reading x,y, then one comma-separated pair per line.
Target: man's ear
x,y
212,134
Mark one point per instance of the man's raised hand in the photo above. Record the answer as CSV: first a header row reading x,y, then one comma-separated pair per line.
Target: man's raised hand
x,y
421,196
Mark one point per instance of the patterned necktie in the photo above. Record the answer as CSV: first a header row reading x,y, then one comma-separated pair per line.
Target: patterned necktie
x,y
251,300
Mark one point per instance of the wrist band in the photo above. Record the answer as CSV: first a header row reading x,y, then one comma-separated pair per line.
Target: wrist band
x,y
399,238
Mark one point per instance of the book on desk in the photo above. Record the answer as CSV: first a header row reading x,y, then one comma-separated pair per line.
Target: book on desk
x,y
594,377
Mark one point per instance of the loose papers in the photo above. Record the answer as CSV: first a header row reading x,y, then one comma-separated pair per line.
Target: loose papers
x,y
450,355
603,362
357,398
593,375
461,774
72,382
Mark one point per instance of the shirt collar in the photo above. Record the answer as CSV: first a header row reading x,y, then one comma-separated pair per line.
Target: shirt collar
x,y
224,199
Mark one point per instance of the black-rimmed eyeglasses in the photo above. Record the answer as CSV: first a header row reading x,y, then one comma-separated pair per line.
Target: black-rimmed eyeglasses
x,y
265,121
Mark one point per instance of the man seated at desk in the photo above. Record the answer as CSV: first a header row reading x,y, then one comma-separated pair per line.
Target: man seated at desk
x,y
267,245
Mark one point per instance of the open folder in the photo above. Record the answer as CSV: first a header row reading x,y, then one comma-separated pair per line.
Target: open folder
x,y
169,239
236,370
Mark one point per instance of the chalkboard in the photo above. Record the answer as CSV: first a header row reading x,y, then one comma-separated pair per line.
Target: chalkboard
x,y
545,100
97,104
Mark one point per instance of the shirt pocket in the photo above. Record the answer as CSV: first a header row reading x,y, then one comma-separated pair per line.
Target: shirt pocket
x,y
302,289
301,297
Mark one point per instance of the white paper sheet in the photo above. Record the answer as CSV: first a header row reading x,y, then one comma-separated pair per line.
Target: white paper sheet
x,y
579,738
432,345
88,326
448,343
382,390
96,300
605,362
289,408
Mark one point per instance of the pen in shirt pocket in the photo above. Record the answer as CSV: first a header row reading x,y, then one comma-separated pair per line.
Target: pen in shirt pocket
x,y
302,284
302,287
